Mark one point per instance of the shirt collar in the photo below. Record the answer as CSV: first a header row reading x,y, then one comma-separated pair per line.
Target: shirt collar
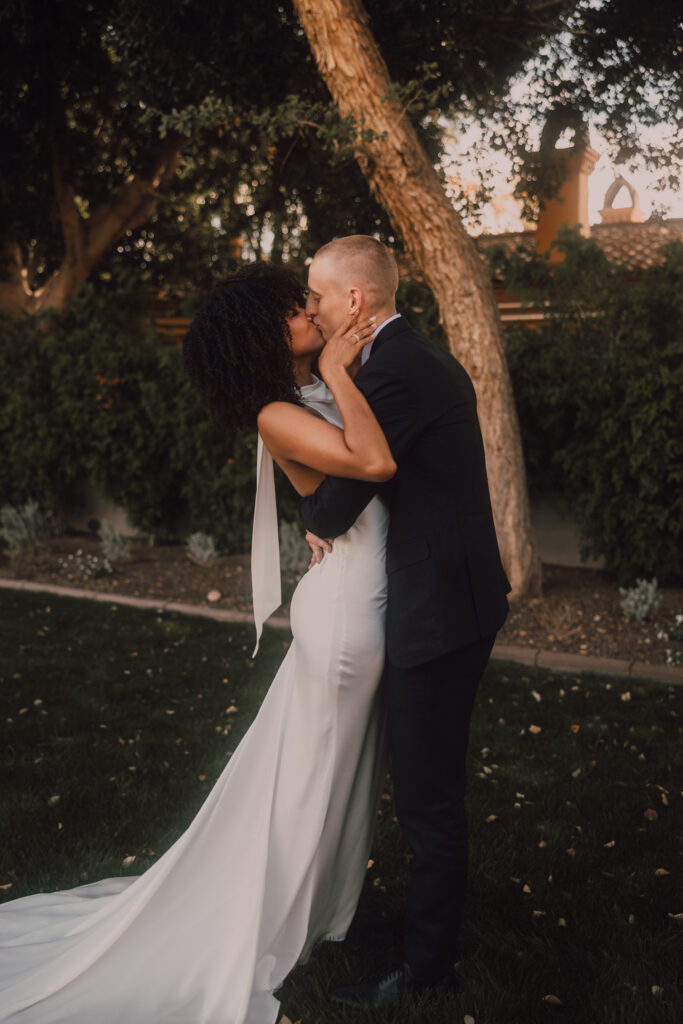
x,y
365,354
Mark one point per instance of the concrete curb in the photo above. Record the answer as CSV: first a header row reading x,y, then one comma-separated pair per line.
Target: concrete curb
x,y
202,611
565,661
559,661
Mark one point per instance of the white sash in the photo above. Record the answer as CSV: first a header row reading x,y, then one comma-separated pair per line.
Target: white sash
x,y
265,544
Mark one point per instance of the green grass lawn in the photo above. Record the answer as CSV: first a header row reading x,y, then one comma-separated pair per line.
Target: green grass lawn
x,y
117,722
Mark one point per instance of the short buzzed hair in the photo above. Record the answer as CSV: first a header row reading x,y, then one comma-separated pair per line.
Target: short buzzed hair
x,y
364,261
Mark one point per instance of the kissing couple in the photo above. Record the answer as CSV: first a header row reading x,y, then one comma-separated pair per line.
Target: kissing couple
x,y
393,624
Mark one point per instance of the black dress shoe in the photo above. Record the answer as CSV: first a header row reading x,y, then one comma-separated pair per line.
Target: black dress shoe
x,y
390,987
383,990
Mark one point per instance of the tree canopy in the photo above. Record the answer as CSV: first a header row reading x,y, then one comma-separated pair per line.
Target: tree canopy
x,y
141,133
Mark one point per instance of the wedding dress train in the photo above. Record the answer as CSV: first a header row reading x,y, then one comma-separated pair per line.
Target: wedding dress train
x,y
274,860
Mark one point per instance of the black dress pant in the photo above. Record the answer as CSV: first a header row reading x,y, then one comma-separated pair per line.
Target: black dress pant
x,y
430,707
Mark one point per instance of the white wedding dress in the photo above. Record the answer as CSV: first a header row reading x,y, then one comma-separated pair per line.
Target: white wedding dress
x,y
274,860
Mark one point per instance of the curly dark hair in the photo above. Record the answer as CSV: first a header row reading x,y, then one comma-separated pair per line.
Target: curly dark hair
x,y
236,351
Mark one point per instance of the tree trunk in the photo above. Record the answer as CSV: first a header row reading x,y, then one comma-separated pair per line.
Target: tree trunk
x,y
406,184
85,242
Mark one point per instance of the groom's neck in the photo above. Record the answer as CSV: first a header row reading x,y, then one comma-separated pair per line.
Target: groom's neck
x,y
383,313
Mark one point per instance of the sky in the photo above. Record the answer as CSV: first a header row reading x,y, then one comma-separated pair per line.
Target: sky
x,y
503,214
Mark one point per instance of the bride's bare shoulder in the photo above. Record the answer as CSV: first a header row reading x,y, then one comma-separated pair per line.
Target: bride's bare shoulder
x,y
278,414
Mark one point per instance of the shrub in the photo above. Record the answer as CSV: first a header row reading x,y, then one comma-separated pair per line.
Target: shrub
x,y
641,600
85,565
24,527
597,386
201,548
115,547
96,396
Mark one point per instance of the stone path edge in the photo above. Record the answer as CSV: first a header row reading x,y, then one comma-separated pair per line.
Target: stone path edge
x,y
559,661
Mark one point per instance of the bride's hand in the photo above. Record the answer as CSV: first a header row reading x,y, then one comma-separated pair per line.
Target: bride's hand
x,y
346,344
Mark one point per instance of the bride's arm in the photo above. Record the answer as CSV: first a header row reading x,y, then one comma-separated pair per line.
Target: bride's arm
x,y
308,448
303,479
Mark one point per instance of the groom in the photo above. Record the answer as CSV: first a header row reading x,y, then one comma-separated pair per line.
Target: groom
x,y
446,590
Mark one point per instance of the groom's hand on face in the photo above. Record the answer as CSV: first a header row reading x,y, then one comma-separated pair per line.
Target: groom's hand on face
x,y
319,547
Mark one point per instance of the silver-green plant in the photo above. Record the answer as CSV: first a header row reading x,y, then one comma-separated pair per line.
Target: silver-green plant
x,y
23,528
115,547
200,547
295,553
641,600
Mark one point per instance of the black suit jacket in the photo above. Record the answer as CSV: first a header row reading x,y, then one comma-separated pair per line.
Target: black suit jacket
x,y
446,584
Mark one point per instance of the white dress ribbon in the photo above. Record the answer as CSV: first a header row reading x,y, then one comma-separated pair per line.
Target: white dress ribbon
x,y
265,544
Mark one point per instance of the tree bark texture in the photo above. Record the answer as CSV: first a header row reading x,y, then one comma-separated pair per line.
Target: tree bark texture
x,y
85,241
405,183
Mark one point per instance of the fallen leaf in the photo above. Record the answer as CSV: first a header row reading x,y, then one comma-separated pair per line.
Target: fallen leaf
x,y
676,917
467,1019
536,695
562,923
538,913
657,990
626,696
491,817
214,595
665,799
576,773
542,844
650,814
575,728
370,863
611,843
535,729
7,885
552,1000
233,707
661,872
571,851
127,861
526,888
54,800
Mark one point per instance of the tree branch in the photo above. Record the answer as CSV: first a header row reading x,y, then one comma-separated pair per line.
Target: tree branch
x,y
132,204
69,217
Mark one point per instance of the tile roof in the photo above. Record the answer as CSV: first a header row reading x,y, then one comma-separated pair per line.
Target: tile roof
x,y
636,245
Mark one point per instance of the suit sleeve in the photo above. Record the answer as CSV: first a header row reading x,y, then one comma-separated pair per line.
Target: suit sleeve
x,y
334,507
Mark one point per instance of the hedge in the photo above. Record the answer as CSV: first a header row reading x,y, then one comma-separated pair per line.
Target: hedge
x,y
598,383
598,386
97,396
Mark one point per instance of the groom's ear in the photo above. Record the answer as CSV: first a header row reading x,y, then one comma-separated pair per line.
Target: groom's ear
x,y
355,300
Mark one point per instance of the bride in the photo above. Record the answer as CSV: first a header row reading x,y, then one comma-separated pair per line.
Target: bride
x,y
275,859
